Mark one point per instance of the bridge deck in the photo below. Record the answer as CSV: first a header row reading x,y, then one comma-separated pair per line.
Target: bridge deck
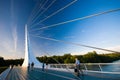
x,y
18,73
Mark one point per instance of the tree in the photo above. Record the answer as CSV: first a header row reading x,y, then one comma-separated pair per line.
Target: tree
x,y
2,62
91,57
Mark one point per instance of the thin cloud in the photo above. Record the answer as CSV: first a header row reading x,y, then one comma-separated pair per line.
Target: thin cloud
x,y
15,38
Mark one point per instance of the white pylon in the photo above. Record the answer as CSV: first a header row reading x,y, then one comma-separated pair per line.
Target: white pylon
x,y
29,57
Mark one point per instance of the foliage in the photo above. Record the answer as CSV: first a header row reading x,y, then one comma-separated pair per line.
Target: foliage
x,y
90,57
2,69
10,62
2,62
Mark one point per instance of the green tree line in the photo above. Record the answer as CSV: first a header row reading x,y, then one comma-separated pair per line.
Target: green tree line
x,y
90,57
9,62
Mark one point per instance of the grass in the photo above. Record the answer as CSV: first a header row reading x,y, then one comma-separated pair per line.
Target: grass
x,y
2,69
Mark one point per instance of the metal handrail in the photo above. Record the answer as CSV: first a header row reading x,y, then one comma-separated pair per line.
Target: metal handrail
x,y
87,66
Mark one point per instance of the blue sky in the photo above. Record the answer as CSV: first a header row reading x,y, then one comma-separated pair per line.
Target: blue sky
x,y
100,31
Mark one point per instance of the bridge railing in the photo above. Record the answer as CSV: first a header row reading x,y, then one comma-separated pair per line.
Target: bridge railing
x,y
90,66
107,71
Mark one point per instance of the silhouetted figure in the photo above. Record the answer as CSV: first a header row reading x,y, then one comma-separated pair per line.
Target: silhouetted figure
x,y
43,66
28,66
32,65
46,65
12,66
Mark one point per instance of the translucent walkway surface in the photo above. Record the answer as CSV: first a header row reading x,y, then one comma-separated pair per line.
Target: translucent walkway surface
x,y
19,73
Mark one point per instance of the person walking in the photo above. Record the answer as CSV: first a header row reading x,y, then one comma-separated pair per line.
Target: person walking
x,y
32,65
28,66
77,66
43,66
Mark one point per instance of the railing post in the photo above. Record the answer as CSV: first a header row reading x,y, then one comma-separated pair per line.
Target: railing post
x,y
100,67
85,67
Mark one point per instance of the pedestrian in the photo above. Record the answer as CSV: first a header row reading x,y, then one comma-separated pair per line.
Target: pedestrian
x,y
46,65
32,65
28,66
43,66
77,66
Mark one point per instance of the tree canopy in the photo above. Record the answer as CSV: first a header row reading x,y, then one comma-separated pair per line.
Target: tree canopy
x,y
90,57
